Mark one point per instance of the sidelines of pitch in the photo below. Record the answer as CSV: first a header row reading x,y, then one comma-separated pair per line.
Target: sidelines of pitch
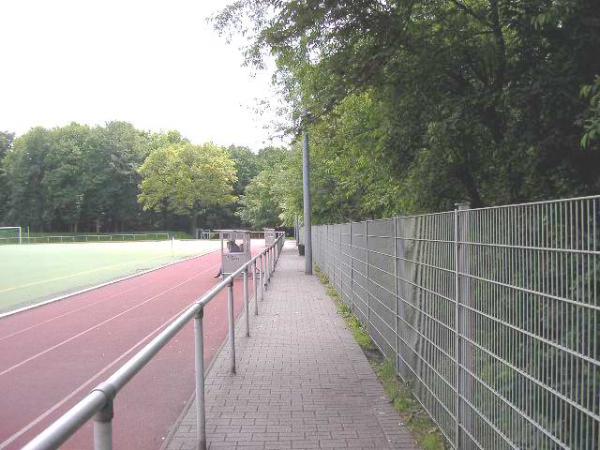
x,y
98,286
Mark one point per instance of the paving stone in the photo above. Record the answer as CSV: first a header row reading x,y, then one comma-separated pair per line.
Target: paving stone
x,y
301,382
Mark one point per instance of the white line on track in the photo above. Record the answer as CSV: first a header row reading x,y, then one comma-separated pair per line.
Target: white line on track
x,y
72,311
66,341
61,402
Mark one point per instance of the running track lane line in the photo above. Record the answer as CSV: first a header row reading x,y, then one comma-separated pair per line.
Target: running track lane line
x,y
60,316
154,297
61,402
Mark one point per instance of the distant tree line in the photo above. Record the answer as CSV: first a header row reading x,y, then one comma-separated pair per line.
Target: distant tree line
x,y
411,106
115,178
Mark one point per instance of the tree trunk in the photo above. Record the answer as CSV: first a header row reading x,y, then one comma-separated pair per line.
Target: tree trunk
x,y
194,223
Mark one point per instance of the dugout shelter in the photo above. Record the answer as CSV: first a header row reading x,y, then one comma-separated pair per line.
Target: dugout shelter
x,y
235,250
270,236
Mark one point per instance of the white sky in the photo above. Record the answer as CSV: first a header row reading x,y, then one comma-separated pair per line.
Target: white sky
x,y
156,64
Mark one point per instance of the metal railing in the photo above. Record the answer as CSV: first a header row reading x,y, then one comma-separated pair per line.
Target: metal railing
x,y
98,404
492,315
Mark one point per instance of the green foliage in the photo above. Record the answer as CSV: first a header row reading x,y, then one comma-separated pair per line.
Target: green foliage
x,y
6,140
184,178
246,165
81,178
419,104
592,121
421,426
258,206
271,198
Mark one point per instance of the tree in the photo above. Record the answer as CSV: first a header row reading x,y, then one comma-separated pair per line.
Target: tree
x,y
185,179
274,197
25,167
591,122
478,99
112,175
6,141
246,166
64,183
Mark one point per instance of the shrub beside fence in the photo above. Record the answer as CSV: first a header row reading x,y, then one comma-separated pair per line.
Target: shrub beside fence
x,y
492,315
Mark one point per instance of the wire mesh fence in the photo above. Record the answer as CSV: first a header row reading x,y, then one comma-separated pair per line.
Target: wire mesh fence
x,y
491,315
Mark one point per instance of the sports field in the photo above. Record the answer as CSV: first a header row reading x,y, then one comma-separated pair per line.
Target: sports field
x,y
31,274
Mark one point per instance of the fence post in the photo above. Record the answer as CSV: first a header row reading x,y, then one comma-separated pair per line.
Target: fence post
x,y
335,257
396,293
231,325
368,281
351,297
103,427
246,301
199,366
341,265
461,292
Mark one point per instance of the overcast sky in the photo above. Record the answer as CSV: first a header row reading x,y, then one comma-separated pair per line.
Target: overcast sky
x,y
156,64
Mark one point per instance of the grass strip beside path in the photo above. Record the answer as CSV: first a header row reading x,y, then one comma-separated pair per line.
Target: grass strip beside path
x,y
413,415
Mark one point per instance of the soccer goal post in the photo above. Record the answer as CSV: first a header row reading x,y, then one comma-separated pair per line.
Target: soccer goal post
x,y
11,235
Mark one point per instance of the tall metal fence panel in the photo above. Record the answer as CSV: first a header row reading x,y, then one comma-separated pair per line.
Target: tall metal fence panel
x,y
491,315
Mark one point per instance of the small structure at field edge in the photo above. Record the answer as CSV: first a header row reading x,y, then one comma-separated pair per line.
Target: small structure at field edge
x,y
235,249
270,236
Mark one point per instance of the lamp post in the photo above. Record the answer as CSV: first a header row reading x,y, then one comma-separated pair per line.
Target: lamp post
x,y
307,201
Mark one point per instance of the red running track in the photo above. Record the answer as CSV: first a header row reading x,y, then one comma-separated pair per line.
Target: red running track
x,y
52,356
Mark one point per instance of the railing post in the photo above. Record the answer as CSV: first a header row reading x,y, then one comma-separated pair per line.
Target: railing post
x,y
266,270
263,280
254,273
199,365
246,301
269,264
231,325
103,427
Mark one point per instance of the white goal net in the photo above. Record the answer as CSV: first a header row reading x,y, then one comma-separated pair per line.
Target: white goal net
x,y
10,235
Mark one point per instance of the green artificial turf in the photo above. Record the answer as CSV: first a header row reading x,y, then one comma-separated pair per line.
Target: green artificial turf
x,y
33,273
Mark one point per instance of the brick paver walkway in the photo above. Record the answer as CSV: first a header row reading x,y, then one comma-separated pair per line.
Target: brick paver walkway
x,y
302,381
